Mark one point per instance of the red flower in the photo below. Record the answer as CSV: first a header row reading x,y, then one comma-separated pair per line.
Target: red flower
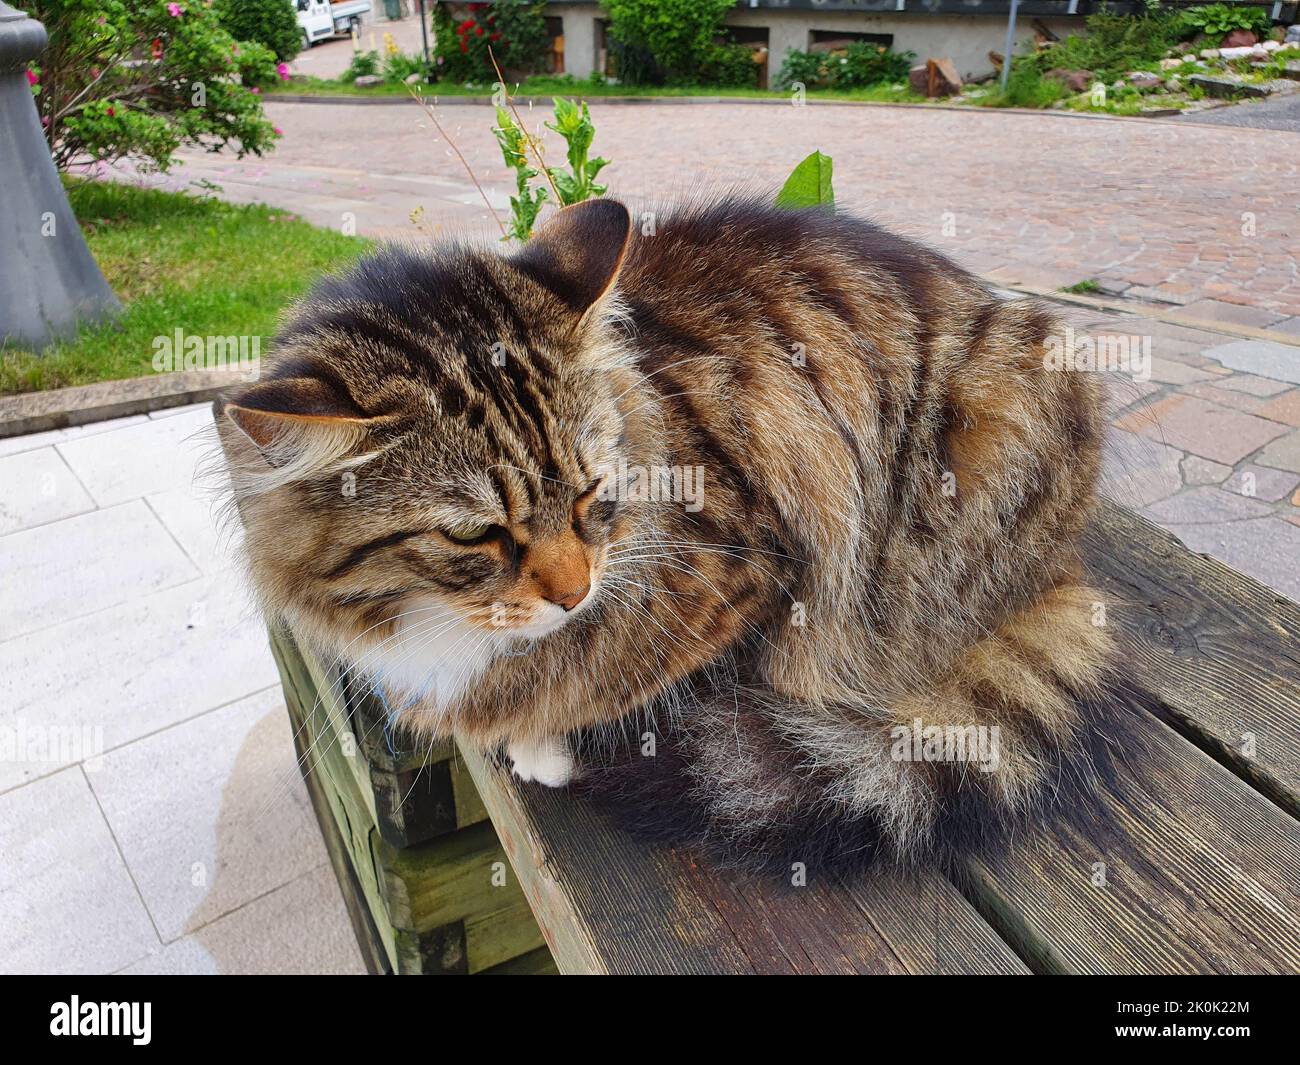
x,y
495,37
156,49
464,45
111,112
478,31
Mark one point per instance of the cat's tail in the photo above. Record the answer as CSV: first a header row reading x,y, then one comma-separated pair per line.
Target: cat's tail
x,y
937,774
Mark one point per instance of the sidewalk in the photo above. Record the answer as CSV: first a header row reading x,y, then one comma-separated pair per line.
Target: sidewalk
x,y
154,820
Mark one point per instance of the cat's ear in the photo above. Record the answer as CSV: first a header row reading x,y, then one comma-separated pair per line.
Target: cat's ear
x,y
302,422
578,253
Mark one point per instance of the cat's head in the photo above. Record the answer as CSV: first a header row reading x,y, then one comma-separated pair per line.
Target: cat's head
x,y
431,438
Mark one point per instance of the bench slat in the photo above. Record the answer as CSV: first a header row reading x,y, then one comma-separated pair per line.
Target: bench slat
x,y
607,903
1220,650
1204,877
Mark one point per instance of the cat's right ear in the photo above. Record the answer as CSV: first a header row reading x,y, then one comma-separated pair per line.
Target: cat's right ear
x,y
578,253
301,423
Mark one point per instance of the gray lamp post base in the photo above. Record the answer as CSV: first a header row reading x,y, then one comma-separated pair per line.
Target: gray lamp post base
x,y
49,283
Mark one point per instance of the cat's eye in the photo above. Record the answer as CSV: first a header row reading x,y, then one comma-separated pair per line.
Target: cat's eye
x,y
471,532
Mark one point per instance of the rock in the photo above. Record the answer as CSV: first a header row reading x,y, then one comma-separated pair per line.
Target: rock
x,y
1235,53
1272,46
1143,79
1174,84
1172,63
1293,34
1238,39
1209,53
1225,86
368,81
1292,71
1074,80
1183,47
935,77
413,79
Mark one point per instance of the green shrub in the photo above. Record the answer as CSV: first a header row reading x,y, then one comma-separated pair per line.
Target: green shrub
x,y
862,65
1026,87
514,30
141,78
363,65
1114,45
272,23
1216,21
398,66
729,65
681,36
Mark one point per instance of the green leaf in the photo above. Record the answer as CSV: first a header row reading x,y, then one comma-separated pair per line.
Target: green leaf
x,y
809,185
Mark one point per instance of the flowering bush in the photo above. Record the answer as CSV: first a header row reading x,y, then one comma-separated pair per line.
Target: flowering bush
x,y
141,78
515,31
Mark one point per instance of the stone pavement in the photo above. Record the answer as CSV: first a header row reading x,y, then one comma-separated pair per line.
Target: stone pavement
x,y
151,817
1163,210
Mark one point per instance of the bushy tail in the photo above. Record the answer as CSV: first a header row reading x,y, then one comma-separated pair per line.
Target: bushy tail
x,y
937,774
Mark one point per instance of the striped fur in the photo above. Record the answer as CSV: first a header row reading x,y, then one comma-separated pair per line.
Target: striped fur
x,y
893,487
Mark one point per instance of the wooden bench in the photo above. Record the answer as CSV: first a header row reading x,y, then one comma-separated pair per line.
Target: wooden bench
x,y
1198,871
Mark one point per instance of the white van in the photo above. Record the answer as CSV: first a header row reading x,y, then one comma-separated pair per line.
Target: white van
x,y
319,20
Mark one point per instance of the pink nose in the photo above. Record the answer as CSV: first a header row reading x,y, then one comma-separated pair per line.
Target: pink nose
x,y
570,599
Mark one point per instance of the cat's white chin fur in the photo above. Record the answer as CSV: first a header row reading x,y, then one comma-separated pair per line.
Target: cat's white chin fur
x,y
547,762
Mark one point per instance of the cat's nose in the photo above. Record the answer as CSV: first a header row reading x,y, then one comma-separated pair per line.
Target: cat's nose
x,y
570,599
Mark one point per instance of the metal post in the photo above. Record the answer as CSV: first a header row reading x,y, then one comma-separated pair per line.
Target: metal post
x,y
424,32
1011,43
49,282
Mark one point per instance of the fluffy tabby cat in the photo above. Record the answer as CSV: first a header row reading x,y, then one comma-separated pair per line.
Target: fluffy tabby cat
x,y
434,476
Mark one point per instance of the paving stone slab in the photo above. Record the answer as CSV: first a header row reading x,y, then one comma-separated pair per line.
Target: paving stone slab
x,y
1283,453
67,904
1264,548
299,929
1137,471
133,669
1263,358
1260,482
1206,504
1205,429
236,822
1197,470
86,563
1285,408
37,487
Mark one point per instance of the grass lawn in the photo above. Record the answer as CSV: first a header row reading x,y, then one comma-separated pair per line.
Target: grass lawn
x,y
579,89
178,262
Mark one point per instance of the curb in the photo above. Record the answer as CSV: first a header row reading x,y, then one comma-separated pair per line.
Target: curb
x,y
486,101
61,408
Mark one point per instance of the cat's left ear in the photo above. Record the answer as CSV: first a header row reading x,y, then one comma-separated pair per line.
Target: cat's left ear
x,y
578,253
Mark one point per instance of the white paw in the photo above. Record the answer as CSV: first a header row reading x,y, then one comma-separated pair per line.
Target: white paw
x,y
547,762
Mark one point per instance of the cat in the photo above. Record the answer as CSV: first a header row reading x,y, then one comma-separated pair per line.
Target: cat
x,y
795,495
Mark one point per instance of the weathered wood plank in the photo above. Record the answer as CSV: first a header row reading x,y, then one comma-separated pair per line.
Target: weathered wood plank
x,y
608,903
1197,873
1220,650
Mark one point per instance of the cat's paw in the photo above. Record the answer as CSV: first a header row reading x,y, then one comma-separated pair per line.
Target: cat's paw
x,y
547,762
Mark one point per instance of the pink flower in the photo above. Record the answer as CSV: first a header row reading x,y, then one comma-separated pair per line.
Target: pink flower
x,y
32,78
256,91
174,10
277,131
283,70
